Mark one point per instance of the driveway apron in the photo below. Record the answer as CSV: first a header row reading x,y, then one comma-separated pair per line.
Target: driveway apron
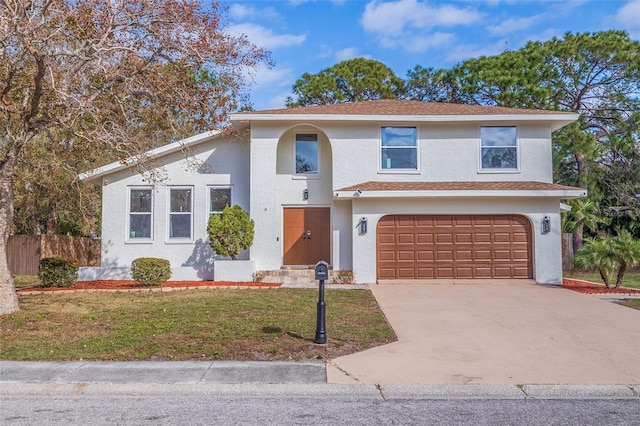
x,y
497,332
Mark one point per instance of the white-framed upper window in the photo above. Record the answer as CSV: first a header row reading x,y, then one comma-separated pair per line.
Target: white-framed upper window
x,y
499,148
140,223
307,154
180,212
399,148
219,198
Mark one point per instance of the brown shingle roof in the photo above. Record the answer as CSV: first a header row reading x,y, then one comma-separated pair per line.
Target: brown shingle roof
x,y
459,186
402,107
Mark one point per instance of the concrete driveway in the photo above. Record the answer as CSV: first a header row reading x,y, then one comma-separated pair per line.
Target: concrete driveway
x,y
506,332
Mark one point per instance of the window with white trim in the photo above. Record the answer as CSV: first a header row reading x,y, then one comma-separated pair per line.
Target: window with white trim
x,y
180,212
399,148
498,148
140,213
307,158
219,198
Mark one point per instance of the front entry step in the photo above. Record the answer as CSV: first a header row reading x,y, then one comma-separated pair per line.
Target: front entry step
x,y
303,277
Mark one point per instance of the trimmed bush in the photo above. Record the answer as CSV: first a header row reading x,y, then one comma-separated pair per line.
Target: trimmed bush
x,y
58,272
230,232
150,271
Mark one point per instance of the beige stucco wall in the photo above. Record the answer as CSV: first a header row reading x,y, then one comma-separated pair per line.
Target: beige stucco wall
x,y
350,155
216,162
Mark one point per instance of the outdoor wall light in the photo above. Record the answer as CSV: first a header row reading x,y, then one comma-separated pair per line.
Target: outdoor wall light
x,y
363,225
546,225
305,194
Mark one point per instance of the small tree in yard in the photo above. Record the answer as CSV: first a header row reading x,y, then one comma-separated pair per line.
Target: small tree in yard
x,y
611,256
230,232
89,74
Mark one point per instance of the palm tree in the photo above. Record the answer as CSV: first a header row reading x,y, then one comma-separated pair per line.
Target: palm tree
x,y
598,254
626,252
584,214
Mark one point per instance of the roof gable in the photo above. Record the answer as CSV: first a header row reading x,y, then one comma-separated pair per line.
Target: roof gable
x,y
153,154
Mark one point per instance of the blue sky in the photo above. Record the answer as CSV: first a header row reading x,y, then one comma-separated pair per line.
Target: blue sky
x,y
311,35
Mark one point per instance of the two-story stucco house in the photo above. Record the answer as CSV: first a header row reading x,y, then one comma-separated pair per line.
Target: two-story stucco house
x,y
389,189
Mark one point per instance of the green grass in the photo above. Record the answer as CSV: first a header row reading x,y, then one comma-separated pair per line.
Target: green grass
x,y
193,324
631,277
632,303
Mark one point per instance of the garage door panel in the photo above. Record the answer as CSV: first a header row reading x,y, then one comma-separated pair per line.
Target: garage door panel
x,y
482,237
426,255
454,246
444,238
463,255
464,272
387,256
406,273
405,255
425,238
406,238
426,273
465,237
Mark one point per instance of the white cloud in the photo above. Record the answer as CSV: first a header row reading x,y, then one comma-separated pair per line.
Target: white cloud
x,y
629,15
462,52
276,76
508,26
345,54
240,12
264,37
420,43
394,18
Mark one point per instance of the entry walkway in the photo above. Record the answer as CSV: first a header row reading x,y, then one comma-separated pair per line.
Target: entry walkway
x,y
508,332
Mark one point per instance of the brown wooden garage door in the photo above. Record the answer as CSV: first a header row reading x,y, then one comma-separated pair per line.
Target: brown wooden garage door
x,y
454,246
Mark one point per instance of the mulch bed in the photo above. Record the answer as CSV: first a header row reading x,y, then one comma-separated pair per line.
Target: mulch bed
x,y
122,285
589,287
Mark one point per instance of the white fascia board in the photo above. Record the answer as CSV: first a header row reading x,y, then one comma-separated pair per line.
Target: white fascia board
x,y
564,208
562,119
562,194
95,174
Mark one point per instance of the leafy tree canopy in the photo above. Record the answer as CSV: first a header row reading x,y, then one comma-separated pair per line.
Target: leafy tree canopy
x,y
353,80
114,73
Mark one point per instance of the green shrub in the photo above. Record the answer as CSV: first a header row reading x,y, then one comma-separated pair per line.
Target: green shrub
x,y
150,271
230,232
58,272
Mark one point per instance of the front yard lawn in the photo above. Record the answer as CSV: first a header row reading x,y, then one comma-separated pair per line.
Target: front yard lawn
x,y
219,324
631,277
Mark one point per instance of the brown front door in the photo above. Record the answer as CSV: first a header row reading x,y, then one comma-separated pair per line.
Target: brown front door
x,y
306,235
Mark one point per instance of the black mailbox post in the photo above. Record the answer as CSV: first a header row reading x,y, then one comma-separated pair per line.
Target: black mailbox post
x,y
322,274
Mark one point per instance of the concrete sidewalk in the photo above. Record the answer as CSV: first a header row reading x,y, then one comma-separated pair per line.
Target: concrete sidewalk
x,y
162,372
509,333
268,379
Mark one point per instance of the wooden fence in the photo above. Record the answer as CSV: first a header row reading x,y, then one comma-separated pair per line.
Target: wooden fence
x,y
25,251
567,251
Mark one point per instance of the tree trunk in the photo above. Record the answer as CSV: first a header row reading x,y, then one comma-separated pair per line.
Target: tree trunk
x,y
578,232
8,295
578,237
621,271
604,277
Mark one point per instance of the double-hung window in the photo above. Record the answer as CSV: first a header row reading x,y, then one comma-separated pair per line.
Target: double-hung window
x,y
140,213
399,148
498,148
219,198
307,154
180,213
